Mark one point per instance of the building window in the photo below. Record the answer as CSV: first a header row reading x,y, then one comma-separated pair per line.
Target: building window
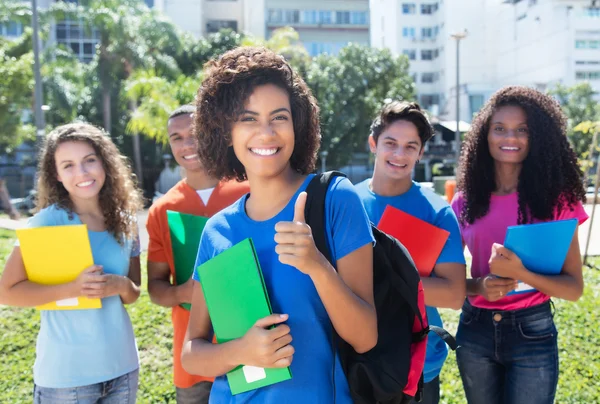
x,y
589,44
274,15
358,17
588,75
409,8
427,100
411,53
342,17
317,48
213,26
408,32
429,8
587,62
428,54
291,16
426,32
592,12
325,17
11,28
429,77
475,103
72,35
309,16
149,3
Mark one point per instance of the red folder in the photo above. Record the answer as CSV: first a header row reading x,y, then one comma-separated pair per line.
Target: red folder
x,y
423,240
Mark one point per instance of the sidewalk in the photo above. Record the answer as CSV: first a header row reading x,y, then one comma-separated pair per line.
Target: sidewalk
x,y
594,249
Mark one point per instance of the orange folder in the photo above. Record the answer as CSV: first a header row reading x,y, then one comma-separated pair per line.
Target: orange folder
x,y
423,240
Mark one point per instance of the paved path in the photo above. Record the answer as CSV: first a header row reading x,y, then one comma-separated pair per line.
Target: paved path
x,y
594,248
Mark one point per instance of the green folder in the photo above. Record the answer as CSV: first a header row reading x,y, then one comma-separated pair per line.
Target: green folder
x,y
236,297
185,232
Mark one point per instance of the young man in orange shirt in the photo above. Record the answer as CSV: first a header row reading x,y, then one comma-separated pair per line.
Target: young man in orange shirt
x,y
197,194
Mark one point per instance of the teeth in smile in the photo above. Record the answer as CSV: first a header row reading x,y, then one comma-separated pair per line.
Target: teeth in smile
x,y
190,157
509,148
85,184
265,152
397,165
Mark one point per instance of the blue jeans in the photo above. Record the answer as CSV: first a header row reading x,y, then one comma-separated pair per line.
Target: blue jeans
x,y
508,356
197,394
121,390
431,392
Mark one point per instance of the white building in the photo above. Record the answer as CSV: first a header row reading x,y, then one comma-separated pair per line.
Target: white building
x,y
531,42
202,17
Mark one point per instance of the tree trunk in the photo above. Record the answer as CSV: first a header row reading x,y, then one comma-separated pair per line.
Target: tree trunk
x,y
137,153
106,107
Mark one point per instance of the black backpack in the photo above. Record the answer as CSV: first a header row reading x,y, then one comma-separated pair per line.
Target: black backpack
x,y
391,372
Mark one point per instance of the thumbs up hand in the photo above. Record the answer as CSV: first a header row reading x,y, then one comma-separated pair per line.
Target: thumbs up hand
x,y
295,244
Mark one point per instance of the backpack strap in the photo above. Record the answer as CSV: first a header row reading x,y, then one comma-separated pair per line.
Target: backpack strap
x,y
314,211
445,336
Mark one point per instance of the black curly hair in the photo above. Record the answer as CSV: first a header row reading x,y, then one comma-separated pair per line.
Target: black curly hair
x,y
550,178
228,82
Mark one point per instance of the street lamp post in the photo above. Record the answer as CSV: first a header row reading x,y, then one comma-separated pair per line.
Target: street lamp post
x,y
458,36
38,94
324,154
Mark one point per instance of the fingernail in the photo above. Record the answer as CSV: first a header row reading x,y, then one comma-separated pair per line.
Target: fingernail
x,y
282,315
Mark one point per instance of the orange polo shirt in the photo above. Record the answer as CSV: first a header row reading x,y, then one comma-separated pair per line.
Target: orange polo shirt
x,y
183,198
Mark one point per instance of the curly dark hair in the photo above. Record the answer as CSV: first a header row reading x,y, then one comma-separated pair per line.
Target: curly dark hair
x,y
550,178
402,111
228,83
120,199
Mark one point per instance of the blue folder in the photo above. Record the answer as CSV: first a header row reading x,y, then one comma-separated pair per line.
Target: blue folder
x,y
542,247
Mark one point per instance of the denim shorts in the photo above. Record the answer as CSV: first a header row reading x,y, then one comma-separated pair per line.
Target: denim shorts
x,y
508,356
121,390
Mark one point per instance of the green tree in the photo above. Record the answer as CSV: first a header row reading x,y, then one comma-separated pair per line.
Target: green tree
x,y
350,88
16,91
579,106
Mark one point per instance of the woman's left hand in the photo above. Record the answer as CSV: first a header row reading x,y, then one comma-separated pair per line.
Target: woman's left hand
x,y
295,244
505,263
108,285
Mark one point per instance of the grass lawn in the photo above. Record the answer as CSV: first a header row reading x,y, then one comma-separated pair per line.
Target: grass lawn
x,y
579,344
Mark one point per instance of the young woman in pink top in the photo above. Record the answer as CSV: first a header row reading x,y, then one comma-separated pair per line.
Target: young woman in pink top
x,y
516,167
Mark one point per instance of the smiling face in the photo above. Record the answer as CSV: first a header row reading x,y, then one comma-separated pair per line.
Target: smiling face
x,y
184,144
508,136
79,169
263,136
397,150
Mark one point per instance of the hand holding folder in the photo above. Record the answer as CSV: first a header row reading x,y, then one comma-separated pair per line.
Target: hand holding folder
x,y
236,298
185,230
56,255
423,240
541,247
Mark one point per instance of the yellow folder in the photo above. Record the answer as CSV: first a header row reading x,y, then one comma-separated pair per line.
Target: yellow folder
x,y
55,255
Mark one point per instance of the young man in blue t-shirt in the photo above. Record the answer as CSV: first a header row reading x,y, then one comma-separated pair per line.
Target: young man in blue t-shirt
x,y
398,136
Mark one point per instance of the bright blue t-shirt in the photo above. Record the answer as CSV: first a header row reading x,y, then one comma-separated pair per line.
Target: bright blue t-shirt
x,y
428,206
81,347
293,293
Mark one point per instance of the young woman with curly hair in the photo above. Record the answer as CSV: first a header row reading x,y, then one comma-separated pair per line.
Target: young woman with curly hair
x,y
256,119
517,167
84,356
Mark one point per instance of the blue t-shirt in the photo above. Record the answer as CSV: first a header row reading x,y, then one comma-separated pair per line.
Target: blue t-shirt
x,y
428,206
81,347
292,292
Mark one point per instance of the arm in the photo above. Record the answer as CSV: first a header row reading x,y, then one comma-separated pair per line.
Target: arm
x,y
130,291
161,291
348,298
568,285
17,290
447,289
260,346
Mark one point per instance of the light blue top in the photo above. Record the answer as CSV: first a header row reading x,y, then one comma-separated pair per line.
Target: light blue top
x,y
428,206
82,347
292,292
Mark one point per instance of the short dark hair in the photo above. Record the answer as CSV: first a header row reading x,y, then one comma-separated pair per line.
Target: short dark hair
x,y
228,82
187,109
402,111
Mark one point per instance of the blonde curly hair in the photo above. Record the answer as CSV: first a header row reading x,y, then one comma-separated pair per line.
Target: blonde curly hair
x,y
120,198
